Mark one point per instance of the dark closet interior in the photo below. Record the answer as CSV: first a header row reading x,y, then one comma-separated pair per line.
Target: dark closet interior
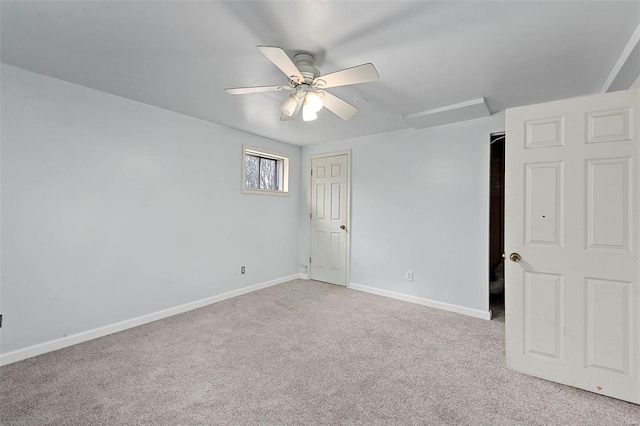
x,y
496,227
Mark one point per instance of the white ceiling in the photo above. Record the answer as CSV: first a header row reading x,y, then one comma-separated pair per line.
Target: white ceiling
x,y
181,55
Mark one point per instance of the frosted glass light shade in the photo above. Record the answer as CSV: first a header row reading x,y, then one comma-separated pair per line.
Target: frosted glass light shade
x,y
288,106
308,114
314,101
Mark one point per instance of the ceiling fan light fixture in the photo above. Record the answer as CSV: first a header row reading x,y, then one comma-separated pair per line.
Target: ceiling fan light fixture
x,y
309,85
313,101
308,114
288,106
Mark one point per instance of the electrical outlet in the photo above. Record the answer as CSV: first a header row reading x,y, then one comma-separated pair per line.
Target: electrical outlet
x,y
242,270
409,276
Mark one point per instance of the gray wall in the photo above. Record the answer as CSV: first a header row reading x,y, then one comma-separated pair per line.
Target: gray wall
x,y
420,202
112,209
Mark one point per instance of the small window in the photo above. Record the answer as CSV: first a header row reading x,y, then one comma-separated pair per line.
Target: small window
x,y
264,172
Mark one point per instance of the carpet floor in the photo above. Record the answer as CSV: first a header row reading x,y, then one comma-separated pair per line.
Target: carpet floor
x,y
301,352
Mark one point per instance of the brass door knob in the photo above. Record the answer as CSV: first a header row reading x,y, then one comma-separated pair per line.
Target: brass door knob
x,y
343,227
515,257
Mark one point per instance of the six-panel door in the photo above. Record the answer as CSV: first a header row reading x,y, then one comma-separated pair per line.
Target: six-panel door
x,y
572,206
329,198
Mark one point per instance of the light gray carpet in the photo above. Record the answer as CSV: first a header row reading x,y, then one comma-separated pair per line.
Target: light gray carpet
x,y
297,353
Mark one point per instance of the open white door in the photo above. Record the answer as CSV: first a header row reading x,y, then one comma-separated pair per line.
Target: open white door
x,y
329,218
572,238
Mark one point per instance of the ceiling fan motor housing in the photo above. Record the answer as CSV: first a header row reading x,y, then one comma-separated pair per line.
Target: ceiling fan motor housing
x,y
304,62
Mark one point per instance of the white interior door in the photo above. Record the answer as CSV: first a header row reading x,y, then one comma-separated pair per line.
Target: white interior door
x,y
329,218
572,210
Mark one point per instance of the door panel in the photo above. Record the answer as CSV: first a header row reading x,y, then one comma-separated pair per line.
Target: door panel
x,y
544,203
336,198
329,199
609,126
608,203
319,207
608,313
572,211
545,132
336,250
320,252
543,315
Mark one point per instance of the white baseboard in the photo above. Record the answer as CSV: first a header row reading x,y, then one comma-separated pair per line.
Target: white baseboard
x,y
84,336
421,301
303,276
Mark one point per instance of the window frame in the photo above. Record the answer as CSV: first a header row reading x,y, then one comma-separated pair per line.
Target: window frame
x,y
283,175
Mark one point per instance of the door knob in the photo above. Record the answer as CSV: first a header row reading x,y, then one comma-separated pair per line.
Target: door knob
x,y
343,227
515,257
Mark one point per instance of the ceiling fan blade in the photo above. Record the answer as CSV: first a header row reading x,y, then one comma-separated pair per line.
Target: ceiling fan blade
x,y
360,74
258,89
295,112
339,107
281,60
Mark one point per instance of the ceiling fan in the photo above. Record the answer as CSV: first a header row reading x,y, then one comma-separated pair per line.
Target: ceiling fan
x,y
307,85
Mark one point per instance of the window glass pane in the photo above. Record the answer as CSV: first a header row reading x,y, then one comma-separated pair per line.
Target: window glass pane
x,y
265,172
252,171
268,174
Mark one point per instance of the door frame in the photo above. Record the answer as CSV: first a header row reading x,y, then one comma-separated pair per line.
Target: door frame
x,y
348,251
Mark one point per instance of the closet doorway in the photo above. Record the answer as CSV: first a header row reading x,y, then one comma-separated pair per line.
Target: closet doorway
x,y
496,228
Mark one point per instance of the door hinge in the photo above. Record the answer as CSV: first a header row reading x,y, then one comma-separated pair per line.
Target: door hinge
x,y
311,172
309,260
310,216
0,320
